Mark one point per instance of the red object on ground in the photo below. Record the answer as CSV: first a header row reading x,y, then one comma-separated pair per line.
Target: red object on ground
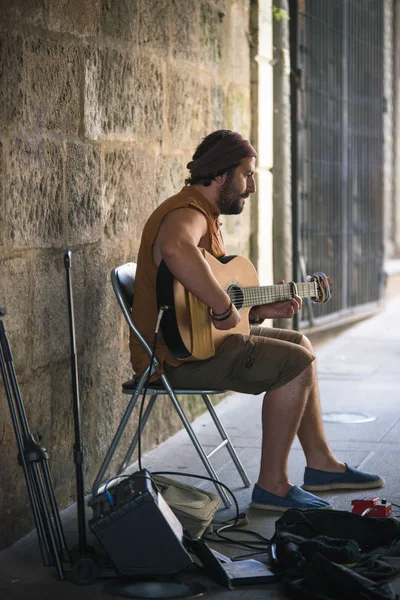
x,y
372,507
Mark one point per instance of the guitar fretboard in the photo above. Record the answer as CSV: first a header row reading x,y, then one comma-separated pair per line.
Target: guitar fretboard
x,y
267,294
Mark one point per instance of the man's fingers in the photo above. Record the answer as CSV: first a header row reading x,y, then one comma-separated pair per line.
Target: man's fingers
x,y
299,301
296,303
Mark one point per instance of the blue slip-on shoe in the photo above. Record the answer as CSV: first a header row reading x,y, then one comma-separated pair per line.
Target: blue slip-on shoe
x,y
351,479
295,498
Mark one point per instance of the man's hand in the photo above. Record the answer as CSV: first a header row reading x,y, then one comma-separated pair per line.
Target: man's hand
x,y
285,309
233,320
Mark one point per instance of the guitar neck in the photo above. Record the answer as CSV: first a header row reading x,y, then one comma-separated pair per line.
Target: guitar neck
x,y
256,295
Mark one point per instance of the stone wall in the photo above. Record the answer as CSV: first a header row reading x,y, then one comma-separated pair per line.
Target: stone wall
x,y
102,103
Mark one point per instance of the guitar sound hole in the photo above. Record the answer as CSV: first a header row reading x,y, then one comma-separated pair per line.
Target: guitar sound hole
x,y
235,293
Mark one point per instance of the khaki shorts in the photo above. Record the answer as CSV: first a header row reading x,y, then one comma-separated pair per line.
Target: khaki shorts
x,y
252,364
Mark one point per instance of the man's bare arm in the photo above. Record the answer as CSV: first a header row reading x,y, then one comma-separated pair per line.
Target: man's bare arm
x,y
180,233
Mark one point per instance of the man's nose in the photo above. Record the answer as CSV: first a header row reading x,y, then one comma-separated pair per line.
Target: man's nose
x,y
251,185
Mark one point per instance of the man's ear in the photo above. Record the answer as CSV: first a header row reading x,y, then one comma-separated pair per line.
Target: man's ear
x,y
221,178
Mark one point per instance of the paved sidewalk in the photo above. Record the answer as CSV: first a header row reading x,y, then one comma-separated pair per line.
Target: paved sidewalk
x,y
359,372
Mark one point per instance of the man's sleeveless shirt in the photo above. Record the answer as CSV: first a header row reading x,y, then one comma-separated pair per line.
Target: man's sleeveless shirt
x,y
145,301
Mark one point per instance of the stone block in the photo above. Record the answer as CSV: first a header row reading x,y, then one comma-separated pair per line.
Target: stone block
x,y
236,59
109,406
50,87
75,16
154,24
221,7
5,425
16,296
50,327
11,74
61,435
120,19
87,366
160,425
40,84
124,96
103,315
238,109
145,22
2,209
78,283
37,398
30,12
170,177
20,344
15,512
83,192
218,104
129,190
185,30
164,420
212,34
34,193
189,109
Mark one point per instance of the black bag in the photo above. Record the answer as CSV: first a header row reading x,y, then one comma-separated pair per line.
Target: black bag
x,y
368,532
325,580
323,554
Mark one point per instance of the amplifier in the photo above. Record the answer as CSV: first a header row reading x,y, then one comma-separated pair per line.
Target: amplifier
x,y
137,529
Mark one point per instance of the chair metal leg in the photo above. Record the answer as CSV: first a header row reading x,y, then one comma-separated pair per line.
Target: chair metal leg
x,y
118,434
133,444
225,437
203,456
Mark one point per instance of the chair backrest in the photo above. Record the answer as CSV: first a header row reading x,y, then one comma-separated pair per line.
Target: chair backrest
x,y
123,282
125,275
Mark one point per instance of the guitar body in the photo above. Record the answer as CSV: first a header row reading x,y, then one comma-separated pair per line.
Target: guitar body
x,y
186,326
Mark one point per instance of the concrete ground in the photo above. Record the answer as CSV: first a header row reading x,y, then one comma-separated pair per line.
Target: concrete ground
x,y
359,372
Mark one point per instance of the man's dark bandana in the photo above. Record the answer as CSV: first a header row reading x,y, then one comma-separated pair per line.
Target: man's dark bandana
x,y
230,149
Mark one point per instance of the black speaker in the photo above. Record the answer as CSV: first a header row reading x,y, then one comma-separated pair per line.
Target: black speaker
x,y
137,529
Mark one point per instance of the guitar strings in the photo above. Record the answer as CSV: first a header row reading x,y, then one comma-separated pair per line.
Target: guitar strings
x,y
271,295
319,289
282,289
266,297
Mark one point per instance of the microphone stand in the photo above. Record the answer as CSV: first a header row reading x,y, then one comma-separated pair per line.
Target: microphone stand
x,y
34,461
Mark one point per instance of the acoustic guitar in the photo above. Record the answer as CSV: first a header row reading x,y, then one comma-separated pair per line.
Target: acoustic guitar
x,y
187,327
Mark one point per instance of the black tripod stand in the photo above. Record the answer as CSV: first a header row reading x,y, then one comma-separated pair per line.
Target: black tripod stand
x,y
33,460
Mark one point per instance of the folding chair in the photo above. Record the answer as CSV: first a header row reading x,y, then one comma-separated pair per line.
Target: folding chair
x,y
123,282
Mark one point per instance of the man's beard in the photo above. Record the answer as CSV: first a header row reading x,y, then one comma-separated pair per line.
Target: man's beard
x,y
230,201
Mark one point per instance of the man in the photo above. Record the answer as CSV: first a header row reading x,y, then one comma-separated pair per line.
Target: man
x,y
277,362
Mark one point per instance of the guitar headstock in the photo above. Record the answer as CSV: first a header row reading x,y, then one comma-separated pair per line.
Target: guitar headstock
x,y
324,287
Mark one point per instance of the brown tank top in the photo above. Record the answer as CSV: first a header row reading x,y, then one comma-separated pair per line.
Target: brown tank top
x,y
145,301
